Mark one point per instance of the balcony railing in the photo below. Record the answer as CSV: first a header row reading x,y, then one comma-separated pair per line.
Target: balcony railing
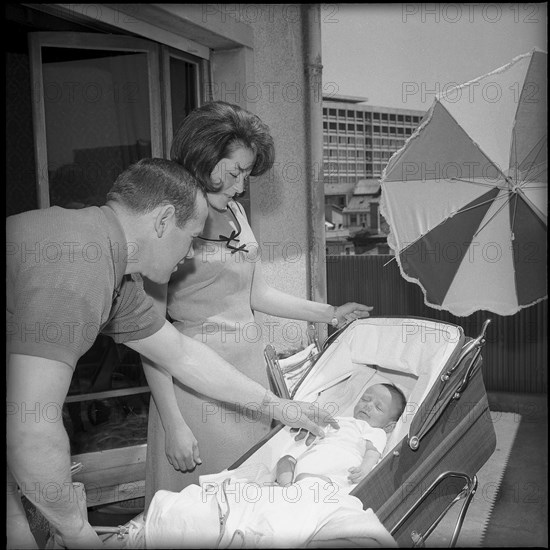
x,y
515,354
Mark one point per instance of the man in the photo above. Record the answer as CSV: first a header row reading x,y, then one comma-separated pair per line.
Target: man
x,y
74,273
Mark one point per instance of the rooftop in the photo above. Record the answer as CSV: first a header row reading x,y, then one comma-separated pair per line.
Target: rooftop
x,y
339,188
367,187
360,203
346,99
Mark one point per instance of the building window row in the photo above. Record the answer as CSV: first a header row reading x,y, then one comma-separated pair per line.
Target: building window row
x,y
368,116
374,129
335,168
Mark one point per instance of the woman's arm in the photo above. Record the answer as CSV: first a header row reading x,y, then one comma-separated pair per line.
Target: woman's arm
x,y
269,300
181,447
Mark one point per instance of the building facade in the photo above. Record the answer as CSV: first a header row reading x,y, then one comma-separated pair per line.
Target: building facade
x,y
358,141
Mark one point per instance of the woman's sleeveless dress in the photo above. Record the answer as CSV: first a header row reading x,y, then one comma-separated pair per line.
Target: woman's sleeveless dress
x,y
209,300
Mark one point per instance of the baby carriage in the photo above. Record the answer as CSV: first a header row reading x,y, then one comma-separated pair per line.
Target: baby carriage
x,y
442,439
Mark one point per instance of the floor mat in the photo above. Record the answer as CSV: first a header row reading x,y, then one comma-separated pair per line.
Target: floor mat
x,y
489,480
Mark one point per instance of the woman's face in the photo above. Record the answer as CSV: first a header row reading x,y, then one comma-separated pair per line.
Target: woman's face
x,y
232,173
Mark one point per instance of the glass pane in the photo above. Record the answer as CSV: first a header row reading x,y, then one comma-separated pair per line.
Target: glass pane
x,y
183,89
105,421
20,166
97,120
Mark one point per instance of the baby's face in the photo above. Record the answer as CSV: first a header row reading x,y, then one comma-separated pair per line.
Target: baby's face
x,y
376,407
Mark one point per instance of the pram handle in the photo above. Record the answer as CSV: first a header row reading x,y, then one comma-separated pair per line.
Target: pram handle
x,y
478,344
467,349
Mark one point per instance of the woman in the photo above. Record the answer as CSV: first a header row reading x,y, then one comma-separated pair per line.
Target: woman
x,y
212,298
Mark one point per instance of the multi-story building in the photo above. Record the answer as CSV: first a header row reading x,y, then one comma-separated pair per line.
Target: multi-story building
x,y
358,141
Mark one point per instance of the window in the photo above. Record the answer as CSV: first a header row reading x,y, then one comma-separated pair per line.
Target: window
x,y
384,116
89,134
332,112
332,125
342,126
341,112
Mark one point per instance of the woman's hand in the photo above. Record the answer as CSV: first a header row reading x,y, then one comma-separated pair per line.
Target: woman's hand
x,y
347,313
182,449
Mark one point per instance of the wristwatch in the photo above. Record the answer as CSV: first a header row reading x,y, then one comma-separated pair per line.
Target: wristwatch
x,y
334,320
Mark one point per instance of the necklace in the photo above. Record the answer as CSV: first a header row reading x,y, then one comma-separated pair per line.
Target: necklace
x,y
220,210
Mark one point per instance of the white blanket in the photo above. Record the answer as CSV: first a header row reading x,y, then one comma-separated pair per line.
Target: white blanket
x,y
238,513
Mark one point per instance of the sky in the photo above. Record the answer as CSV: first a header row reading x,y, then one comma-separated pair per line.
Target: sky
x,y
401,55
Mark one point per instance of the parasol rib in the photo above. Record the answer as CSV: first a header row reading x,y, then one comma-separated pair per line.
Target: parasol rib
x,y
539,144
508,199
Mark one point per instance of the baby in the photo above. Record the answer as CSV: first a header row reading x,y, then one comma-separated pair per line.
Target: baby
x,y
347,455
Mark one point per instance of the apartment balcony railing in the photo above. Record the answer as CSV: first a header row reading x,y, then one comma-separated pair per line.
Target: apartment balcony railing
x,y
515,356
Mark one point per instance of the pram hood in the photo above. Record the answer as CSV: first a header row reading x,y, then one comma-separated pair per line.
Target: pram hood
x,y
408,352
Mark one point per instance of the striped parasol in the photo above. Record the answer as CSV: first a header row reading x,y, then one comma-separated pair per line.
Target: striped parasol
x,y
466,197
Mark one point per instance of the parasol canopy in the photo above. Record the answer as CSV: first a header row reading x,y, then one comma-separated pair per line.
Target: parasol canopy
x,y
466,197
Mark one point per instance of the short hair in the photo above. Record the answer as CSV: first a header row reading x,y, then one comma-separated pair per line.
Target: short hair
x,y
154,182
212,132
398,397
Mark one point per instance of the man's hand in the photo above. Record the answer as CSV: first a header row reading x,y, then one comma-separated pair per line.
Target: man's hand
x,y
309,417
182,449
84,537
301,433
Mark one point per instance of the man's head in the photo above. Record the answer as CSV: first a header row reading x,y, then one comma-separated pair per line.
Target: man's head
x,y
162,208
381,406
154,182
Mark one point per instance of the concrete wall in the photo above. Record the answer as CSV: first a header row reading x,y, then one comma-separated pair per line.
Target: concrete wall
x,y
279,201
270,80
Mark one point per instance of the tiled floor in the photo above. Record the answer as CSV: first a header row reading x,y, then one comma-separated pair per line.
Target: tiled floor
x,y
520,516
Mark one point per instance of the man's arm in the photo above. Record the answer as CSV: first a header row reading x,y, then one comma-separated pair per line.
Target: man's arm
x,y
38,450
197,366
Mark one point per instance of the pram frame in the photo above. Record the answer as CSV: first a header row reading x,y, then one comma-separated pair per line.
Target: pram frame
x,y
468,365
394,511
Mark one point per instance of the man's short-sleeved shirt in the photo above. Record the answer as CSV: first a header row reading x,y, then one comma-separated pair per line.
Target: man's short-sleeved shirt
x,y
66,284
